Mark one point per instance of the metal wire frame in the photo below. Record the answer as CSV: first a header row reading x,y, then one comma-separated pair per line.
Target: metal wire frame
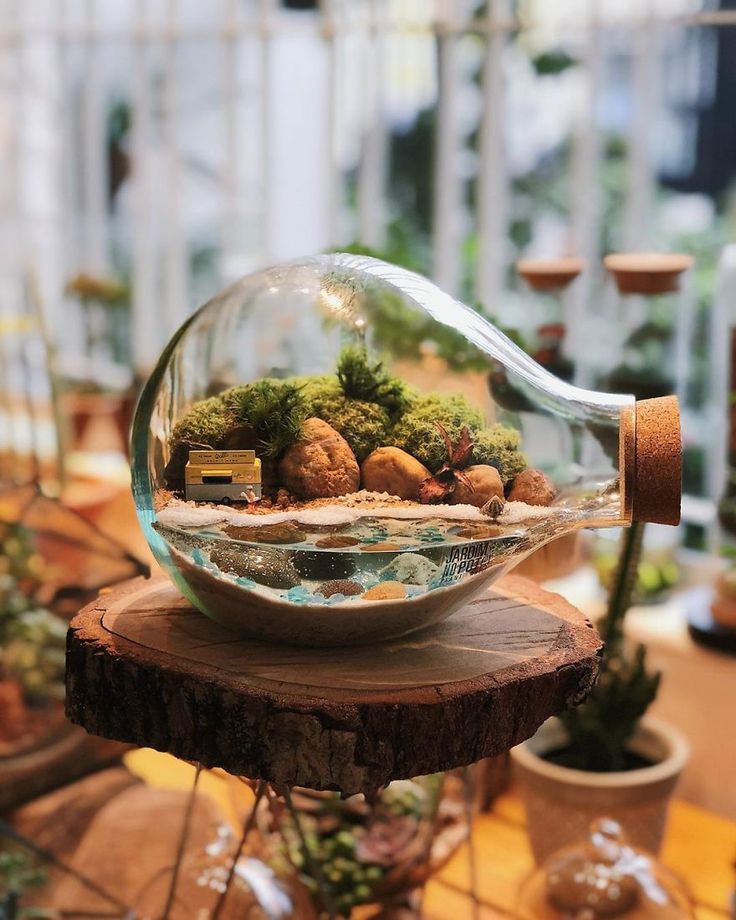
x,y
129,911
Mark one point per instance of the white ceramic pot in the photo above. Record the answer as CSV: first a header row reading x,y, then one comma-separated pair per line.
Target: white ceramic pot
x,y
561,802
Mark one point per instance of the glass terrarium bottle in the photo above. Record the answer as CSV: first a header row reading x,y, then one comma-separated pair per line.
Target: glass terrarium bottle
x,y
544,328
298,491
359,853
646,356
550,280
603,876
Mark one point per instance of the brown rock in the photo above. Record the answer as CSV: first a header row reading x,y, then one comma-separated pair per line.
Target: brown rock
x,y
486,482
340,586
532,487
266,566
381,547
322,566
385,591
480,532
286,532
390,469
320,464
337,541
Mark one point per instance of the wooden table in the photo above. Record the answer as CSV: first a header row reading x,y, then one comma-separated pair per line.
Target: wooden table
x,y
699,846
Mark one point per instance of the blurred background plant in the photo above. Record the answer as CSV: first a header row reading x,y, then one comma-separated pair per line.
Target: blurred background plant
x,y
351,851
18,874
32,644
601,728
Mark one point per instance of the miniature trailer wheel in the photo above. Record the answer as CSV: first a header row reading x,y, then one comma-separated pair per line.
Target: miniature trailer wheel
x,y
144,666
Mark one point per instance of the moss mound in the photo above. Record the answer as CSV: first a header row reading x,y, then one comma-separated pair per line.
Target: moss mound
x,y
274,409
207,423
499,446
363,402
364,425
416,431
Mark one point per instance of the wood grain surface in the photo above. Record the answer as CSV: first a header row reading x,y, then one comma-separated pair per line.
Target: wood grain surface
x,y
144,666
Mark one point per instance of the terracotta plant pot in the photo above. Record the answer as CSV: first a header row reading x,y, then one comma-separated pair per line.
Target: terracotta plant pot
x,y
561,803
647,272
549,274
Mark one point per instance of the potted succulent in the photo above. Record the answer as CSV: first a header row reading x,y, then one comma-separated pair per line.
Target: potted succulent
x,y
31,651
365,856
105,305
606,757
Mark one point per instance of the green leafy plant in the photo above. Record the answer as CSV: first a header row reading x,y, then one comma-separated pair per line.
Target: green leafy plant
x,y
499,446
601,729
370,381
274,409
17,875
207,424
417,432
32,639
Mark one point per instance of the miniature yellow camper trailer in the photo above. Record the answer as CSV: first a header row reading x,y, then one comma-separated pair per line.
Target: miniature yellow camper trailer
x,y
223,476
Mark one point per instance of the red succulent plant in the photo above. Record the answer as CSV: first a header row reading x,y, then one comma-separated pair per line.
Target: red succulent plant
x,y
459,454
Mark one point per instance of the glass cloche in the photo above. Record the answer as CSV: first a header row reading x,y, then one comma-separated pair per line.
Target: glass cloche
x,y
297,488
603,876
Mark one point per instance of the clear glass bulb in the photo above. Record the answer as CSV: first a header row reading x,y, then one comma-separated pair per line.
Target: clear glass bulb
x,y
298,489
603,876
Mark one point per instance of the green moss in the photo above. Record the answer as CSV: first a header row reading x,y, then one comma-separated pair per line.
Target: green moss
x,y
499,446
317,390
207,422
416,431
369,381
274,409
364,425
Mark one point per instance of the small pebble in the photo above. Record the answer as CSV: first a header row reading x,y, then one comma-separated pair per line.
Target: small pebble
x,y
336,541
385,591
298,595
532,487
198,557
267,533
480,532
340,586
267,567
410,569
322,566
381,547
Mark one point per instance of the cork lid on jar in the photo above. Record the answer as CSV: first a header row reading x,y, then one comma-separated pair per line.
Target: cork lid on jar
x,y
549,274
657,460
647,272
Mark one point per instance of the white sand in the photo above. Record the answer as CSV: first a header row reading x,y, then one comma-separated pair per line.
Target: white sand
x,y
178,513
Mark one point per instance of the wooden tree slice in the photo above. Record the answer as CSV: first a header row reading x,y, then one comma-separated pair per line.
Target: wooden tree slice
x,y
144,666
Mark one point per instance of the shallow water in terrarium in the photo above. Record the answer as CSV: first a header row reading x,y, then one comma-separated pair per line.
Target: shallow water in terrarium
x,y
339,556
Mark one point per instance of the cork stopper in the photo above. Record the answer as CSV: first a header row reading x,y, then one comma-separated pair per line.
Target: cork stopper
x,y
549,274
647,272
657,480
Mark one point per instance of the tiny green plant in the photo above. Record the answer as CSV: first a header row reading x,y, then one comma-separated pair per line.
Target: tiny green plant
x,y
273,408
369,381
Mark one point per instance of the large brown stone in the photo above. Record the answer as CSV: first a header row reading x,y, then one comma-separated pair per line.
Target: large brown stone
x,y
390,469
320,464
532,487
486,482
